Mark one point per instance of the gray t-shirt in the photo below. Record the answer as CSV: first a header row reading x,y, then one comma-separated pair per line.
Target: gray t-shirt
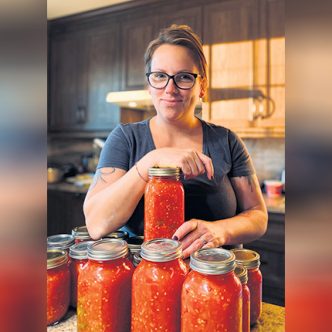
x,y
205,199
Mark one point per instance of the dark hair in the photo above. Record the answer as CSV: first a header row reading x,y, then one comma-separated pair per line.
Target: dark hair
x,y
181,35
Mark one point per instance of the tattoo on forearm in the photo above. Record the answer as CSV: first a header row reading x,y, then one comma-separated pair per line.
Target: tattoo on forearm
x,y
101,176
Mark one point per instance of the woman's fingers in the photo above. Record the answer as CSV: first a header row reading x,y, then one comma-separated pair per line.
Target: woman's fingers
x,y
184,229
208,165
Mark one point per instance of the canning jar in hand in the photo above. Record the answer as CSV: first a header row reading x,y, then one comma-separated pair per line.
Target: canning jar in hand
x,y
251,261
163,203
104,288
211,294
157,283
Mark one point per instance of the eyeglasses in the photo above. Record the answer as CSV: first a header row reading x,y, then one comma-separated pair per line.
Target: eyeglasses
x,y
183,80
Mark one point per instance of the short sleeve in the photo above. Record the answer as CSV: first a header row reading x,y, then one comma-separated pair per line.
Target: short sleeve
x,y
115,152
242,164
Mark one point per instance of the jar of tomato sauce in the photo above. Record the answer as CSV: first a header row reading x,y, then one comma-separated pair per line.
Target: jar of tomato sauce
x,y
60,241
242,274
251,261
163,203
104,288
81,234
58,285
157,283
211,294
79,257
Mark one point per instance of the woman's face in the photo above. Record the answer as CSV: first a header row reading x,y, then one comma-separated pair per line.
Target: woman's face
x,y
172,103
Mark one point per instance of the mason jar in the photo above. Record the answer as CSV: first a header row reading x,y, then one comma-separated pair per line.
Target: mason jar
x,y
211,294
163,203
251,261
104,288
60,241
58,285
81,234
78,254
157,282
242,274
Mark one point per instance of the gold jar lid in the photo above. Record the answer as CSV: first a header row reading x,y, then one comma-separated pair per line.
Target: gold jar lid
x,y
212,261
164,171
242,273
107,249
56,257
248,258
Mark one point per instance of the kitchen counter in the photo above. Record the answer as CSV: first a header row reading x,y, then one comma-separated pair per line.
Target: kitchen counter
x,y
275,204
272,320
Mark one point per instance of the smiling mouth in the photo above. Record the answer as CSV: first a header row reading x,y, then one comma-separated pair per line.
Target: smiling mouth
x,y
171,100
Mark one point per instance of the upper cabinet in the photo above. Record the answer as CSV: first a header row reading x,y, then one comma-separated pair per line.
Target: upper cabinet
x,y
84,66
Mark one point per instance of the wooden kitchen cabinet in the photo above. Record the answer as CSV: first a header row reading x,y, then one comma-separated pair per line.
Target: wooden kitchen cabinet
x,y
271,248
64,211
84,66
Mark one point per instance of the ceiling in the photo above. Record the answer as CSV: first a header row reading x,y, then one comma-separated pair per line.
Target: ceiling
x,y
61,8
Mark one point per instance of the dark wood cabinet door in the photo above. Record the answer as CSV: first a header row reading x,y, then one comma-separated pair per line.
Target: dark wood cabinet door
x,y
136,35
64,69
102,71
231,21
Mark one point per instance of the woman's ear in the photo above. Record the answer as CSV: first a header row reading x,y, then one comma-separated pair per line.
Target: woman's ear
x,y
203,87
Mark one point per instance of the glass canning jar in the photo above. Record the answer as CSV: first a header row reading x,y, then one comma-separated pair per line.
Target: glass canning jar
x,y
242,274
60,241
157,282
251,261
163,203
211,294
58,285
81,234
78,254
104,288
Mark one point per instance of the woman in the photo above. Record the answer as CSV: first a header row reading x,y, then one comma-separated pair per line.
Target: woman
x,y
224,204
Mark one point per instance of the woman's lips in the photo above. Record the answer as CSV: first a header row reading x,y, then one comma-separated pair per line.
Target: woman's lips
x,y
171,101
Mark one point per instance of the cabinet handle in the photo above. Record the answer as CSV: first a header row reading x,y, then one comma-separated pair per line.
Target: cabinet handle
x,y
81,114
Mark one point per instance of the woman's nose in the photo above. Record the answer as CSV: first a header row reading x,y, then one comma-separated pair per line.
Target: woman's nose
x,y
171,87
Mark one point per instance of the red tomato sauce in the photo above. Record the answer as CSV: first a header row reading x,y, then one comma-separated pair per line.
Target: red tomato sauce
x,y
255,281
76,266
104,296
245,308
156,296
58,293
211,303
163,207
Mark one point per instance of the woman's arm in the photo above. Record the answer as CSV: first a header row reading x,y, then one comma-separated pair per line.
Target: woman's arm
x,y
115,193
247,226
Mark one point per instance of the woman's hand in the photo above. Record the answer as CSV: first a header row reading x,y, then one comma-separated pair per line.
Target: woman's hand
x,y
191,162
197,234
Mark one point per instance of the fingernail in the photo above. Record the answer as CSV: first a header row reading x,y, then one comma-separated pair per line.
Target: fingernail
x,y
175,238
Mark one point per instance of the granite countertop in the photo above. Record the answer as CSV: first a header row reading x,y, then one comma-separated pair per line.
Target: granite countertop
x,y
272,320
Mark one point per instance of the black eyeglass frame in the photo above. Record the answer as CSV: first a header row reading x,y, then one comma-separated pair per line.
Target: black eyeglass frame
x,y
171,77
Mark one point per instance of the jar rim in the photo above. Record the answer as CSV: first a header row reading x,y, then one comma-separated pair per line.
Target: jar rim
x,y
161,250
164,171
117,235
107,249
81,232
80,250
246,257
242,273
60,241
56,257
212,261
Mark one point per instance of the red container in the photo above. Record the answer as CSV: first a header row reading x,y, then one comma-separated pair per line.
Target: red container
x,y
163,203
81,234
157,283
211,294
78,254
104,288
58,285
251,261
242,274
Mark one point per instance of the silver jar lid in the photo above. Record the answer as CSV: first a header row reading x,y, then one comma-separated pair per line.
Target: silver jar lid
x,y
161,250
242,273
137,258
212,261
80,250
117,235
164,171
56,257
248,258
107,249
81,233
60,241
135,243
